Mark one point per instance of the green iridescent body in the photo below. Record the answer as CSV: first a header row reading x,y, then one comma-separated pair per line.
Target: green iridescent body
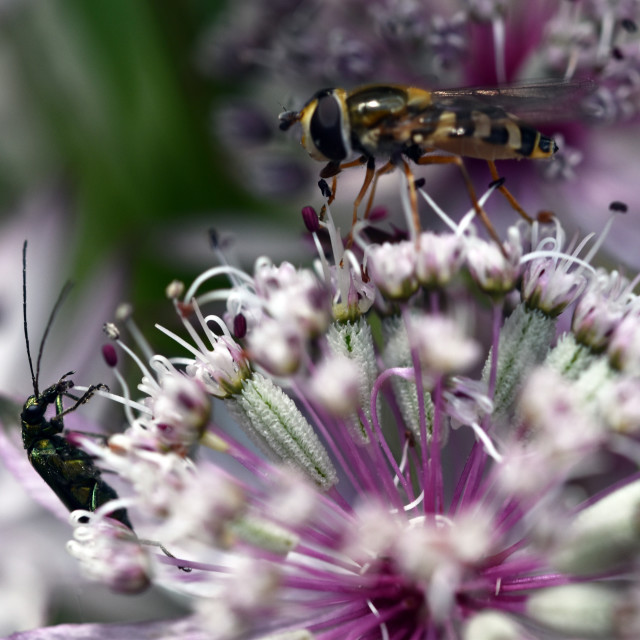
x,y
70,472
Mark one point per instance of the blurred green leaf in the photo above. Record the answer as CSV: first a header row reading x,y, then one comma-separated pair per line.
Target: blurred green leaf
x,y
125,113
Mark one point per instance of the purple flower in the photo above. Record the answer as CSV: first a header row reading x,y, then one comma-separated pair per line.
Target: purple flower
x,y
381,494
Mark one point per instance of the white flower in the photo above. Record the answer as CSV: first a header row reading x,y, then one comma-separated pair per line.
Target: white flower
x,y
336,385
494,268
439,258
276,346
392,268
441,345
110,553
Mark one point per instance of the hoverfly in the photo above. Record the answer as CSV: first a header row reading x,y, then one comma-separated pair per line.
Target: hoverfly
x,y
403,123
69,471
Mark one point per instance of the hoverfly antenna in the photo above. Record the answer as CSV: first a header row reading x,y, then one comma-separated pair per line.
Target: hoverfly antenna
x,y
287,118
61,298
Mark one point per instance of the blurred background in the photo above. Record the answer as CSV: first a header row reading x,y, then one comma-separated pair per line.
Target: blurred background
x,y
128,129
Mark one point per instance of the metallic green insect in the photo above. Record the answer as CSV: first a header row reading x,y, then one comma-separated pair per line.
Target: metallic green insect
x,y
69,471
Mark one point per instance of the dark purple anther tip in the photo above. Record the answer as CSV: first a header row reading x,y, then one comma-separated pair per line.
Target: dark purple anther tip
x,y
110,355
310,219
378,213
618,207
629,25
239,326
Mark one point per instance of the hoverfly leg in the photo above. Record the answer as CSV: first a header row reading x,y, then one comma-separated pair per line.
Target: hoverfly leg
x,y
354,163
507,194
368,177
334,187
332,169
480,212
387,167
413,196
325,190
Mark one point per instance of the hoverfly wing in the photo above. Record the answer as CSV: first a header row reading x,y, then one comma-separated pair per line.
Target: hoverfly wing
x,y
541,101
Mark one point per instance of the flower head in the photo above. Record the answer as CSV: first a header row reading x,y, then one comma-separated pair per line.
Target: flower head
x,y
110,553
433,437
382,494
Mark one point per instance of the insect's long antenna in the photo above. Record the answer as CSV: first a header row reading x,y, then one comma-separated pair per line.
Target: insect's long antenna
x,y
24,314
61,298
68,285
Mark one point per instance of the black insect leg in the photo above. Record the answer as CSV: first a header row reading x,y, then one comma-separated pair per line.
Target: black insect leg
x,y
84,398
155,543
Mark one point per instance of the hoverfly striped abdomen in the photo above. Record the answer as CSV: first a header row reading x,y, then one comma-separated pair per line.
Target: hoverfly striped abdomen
x,y
489,134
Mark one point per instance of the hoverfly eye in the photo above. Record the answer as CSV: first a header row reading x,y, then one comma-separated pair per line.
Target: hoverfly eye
x,y
326,127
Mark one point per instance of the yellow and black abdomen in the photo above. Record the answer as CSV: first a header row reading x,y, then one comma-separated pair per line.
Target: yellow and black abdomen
x,y
487,133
